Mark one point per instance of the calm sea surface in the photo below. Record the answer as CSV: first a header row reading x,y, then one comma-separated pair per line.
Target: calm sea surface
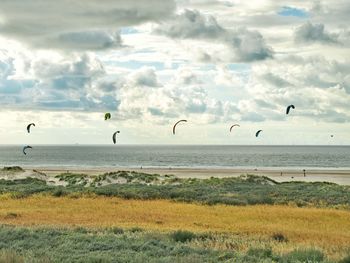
x,y
178,156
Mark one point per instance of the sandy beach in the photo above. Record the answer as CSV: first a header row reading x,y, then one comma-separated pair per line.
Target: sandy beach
x,y
281,175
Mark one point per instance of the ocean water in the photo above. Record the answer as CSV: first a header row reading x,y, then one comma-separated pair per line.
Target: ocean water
x,y
192,156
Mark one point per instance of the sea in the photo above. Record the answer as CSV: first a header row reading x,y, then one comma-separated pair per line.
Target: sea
x,y
177,156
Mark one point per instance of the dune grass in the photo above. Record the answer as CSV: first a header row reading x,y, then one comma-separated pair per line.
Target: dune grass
x,y
245,190
328,229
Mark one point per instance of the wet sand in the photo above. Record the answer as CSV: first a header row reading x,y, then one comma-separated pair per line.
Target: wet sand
x,y
313,175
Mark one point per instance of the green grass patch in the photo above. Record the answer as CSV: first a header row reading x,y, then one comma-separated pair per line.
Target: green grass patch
x,y
39,245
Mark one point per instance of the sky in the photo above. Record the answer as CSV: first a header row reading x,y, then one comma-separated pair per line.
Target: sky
x,y
64,63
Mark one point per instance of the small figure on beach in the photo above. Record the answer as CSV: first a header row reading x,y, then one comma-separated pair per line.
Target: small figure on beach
x,y
281,173
304,172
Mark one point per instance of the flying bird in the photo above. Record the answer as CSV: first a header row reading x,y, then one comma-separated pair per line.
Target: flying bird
x,y
29,126
174,127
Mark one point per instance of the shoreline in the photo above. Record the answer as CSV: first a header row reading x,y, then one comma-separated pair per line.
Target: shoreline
x,y
338,176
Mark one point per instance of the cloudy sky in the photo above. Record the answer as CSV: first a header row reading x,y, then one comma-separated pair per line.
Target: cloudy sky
x,y
64,63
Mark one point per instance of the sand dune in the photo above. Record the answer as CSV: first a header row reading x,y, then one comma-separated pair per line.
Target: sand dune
x,y
281,175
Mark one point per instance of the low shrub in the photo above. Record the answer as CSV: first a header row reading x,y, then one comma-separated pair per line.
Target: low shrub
x,y
11,215
59,192
260,252
182,236
117,230
136,229
14,169
307,255
345,260
279,237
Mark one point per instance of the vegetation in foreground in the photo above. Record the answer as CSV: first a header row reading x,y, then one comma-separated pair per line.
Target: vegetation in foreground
x,y
244,190
39,245
150,233
328,229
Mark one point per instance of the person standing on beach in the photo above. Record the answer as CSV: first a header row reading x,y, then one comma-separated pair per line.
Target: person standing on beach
x,y
304,172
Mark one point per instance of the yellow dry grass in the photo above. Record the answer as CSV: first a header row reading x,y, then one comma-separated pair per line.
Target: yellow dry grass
x,y
319,227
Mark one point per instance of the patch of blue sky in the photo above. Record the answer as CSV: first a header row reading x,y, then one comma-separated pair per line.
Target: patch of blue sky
x,y
134,64
8,86
128,31
205,67
292,11
239,67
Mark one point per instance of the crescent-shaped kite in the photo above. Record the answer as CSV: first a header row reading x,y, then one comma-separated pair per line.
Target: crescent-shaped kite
x,y
174,127
234,125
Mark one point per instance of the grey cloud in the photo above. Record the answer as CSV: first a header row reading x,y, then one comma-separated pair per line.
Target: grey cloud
x,y
316,33
249,45
309,32
87,40
68,74
246,45
65,24
107,86
331,12
186,76
155,111
144,77
192,24
275,80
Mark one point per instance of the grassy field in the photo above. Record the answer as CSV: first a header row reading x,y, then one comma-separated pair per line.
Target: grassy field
x,y
328,229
